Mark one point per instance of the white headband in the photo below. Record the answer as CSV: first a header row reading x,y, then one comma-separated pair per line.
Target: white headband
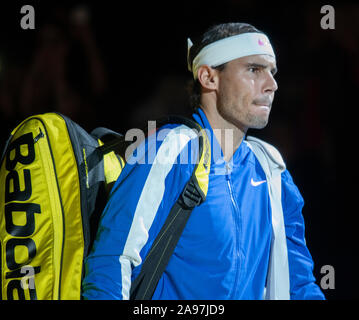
x,y
230,48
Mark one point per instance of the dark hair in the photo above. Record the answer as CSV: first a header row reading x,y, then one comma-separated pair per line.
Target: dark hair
x,y
214,33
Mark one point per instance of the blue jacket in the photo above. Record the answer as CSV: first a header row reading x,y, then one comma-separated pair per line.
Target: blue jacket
x,y
224,250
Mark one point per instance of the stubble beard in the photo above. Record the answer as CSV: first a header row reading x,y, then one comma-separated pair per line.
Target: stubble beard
x,y
243,118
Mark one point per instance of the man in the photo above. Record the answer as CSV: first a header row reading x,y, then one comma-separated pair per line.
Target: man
x,y
246,240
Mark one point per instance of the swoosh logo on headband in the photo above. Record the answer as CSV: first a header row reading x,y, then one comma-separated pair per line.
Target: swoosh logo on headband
x,y
263,41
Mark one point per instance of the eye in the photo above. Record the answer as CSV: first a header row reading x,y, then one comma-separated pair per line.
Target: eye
x,y
253,69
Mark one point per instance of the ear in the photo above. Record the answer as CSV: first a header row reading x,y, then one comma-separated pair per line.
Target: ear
x,y
208,77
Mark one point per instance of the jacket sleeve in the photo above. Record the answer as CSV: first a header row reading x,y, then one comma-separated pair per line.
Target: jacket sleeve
x,y
137,208
302,280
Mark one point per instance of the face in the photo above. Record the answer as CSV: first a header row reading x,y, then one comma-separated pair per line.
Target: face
x,y
245,91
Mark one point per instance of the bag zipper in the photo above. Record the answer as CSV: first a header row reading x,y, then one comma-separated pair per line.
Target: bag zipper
x,y
79,156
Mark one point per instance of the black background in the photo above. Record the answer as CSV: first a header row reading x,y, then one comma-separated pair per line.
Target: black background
x,y
142,48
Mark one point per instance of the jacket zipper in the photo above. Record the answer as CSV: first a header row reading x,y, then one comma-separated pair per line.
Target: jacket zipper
x,y
238,231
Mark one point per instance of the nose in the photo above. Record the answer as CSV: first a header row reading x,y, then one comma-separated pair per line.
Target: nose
x,y
270,85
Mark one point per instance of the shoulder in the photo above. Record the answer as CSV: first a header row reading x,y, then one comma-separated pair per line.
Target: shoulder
x,y
273,156
165,154
174,132
170,147
176,141
266,153
161,143
291,198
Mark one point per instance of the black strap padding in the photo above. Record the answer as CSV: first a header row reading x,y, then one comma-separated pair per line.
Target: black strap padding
x,y
105,134
164,245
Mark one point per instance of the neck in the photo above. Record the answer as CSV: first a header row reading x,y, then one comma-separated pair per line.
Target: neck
x,y
228,135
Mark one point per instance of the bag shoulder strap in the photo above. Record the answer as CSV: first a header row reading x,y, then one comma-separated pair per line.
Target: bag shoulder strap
x,y
162,248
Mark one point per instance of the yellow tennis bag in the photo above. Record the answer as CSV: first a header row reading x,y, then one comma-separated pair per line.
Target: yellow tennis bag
x,y
54,182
